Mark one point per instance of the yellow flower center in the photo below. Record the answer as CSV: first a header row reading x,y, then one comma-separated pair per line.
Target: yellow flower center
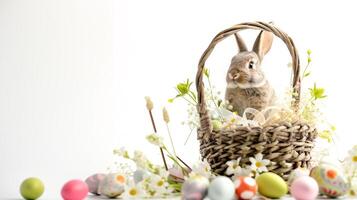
x,y
160,183
133,192
259,164
354,158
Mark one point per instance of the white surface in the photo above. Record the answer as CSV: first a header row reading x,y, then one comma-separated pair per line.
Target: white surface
x,y
73,74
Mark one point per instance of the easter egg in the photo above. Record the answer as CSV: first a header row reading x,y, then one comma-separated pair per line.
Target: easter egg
x,y
194,188
74,190
32,188
93,182
304,188
221,188
246,187
139,175
296,173
271,185
331,181
112,185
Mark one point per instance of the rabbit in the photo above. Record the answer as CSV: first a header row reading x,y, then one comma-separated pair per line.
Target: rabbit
x,y
247,86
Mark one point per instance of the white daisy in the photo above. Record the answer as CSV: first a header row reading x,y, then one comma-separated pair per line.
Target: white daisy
x,y
158,185
233,166
258,163
133,191
202,168
352,157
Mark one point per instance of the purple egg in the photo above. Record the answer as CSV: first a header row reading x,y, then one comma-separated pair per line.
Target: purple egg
x,y
93,182
195,188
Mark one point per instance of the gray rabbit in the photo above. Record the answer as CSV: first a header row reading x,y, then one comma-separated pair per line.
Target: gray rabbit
x,y
246,83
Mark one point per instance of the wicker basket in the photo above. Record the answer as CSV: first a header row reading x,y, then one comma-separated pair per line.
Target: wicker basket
x,y
286,145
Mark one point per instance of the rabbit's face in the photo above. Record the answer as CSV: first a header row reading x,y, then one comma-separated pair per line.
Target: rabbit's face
x,y
244,71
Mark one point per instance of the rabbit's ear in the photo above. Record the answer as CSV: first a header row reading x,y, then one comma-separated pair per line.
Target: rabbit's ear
x,y
263,43
241,45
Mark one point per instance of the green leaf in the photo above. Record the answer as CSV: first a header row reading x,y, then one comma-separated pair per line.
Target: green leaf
x,y
307,74
327,135
317,93
333,128
206,72
171,100
309,52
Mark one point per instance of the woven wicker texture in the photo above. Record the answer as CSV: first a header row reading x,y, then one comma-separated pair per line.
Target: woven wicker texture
x,y
286,145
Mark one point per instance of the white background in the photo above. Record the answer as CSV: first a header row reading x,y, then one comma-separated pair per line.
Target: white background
x,y
74,73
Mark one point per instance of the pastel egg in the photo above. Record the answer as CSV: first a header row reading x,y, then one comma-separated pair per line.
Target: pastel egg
x,y
93,182
74,190
246,187
271,185
304,188
195,188
112,185
139,175
330,179
296,173
32,188
221,188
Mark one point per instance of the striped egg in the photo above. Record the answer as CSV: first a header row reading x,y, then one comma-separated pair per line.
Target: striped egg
x,y
330,179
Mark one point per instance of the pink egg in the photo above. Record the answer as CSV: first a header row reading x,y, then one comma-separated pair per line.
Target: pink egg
x,y
304,188
74,190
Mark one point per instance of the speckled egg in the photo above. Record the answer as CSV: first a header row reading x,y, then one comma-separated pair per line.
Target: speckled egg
x,y
221,188
271,185
112,185
246,187
304,188
331,181
93,182
195,188
296,173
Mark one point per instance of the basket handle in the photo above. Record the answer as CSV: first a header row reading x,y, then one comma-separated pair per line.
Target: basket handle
x,y
205,119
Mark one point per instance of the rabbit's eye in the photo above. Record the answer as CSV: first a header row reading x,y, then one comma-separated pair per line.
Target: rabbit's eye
x,y
251,65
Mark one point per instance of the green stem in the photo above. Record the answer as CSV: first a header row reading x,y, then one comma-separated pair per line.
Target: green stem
x,y
189,135
174,159
303,73
214,102
192,97
188,101
172,143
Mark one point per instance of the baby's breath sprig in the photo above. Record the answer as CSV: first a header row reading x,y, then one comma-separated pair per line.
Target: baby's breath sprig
x,y
207,74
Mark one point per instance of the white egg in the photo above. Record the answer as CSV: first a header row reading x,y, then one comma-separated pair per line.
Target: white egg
x,y
221,188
